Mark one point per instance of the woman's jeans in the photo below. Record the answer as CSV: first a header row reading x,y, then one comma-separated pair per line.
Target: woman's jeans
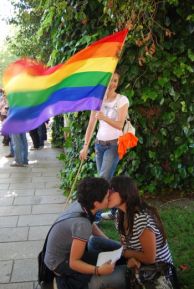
x,y
20,148
99,244
107,159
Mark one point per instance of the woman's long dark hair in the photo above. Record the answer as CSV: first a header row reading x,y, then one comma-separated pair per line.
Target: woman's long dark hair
x,y
129,194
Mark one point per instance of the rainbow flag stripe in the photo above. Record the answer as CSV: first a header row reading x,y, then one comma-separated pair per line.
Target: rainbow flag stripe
x,y
36,92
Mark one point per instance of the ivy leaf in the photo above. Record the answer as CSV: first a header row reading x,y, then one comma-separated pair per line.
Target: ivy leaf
x,y
169,117
149,94
180,151
183,106
129,93
190,55
163,80
152,154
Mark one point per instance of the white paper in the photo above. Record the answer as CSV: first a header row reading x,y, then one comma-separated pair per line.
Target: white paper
x,y
112,256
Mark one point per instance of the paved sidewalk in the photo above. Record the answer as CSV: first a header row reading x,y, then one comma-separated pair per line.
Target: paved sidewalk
x,y
30,200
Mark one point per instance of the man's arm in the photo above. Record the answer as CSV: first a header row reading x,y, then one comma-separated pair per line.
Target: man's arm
x,y
75,262
96,231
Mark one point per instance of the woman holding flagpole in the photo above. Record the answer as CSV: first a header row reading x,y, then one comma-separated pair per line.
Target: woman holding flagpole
x,y
111,119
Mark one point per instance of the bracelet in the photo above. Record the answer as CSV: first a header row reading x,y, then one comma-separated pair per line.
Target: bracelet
x,y
96,271
85,144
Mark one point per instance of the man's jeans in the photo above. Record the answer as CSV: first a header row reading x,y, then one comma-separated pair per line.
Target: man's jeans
x,y
20,148
115,280
107,159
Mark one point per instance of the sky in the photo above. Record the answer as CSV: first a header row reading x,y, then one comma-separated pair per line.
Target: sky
x,y
6,10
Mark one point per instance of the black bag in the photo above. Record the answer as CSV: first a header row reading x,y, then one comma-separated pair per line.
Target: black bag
x,y
45,275
155,276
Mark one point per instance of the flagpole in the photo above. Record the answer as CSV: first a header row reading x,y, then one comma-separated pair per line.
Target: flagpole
x,y
93,129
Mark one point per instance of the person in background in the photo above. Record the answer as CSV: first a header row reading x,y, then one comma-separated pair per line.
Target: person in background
x,y
35,139
3,115
38,136
66,250
141,231
42,133
111,119
20,145
11,148
1,93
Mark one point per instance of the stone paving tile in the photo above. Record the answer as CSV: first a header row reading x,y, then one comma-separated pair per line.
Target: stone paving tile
x,y
20,250
9,170
13,234
60,199
5,271
51,185
22,200
35,200
45,209
46,166
25,173
5,186
27,186
20,192
4,176
25,270
46,179
45,169
25,285
6,200
18,179
8,221
51,174
37,220
38,233
15,210
46,192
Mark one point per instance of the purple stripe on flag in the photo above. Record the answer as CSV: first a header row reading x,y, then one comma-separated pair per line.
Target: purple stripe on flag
x,y
24,125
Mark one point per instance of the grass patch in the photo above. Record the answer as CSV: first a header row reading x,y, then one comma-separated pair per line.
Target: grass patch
x,y
179,225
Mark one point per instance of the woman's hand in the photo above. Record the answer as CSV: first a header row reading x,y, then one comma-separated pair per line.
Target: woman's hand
x,y
133,263
83,153
106,268
100,115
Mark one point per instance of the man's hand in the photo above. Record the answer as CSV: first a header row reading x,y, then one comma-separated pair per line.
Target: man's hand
x,y
106,268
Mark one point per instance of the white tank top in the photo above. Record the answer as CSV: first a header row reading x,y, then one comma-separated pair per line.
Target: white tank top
x,y
110,109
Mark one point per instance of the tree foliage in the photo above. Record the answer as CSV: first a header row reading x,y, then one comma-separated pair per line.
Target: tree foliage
x,y
157,77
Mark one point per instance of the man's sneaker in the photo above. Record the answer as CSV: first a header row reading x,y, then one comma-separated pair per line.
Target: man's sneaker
x,y
107,216
18,165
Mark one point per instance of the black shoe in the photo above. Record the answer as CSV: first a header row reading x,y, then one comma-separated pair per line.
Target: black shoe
x,y
9,156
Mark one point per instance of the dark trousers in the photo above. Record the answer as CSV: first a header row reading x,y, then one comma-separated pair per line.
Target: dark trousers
x,y
35,138
42,134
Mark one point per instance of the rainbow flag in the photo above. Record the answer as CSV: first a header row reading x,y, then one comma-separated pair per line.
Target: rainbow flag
x,y
36,92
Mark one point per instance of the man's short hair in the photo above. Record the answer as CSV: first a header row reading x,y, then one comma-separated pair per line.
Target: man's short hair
x,y
90,190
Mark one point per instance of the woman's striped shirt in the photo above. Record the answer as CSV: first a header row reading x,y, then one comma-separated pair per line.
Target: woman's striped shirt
x,y
142,221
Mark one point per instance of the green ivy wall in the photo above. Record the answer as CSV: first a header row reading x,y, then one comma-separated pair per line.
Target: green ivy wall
x,y
157,76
